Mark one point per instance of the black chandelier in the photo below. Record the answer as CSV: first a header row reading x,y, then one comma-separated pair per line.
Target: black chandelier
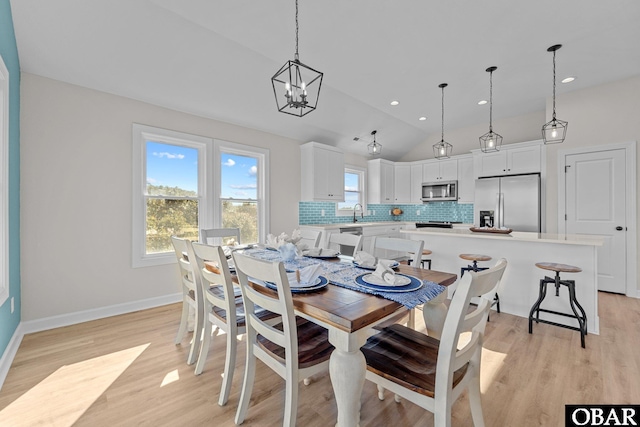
x,y
442,149
554,131
296,86
375,149
490,141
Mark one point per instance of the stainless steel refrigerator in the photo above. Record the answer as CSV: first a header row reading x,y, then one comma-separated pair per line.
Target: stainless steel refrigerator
x,y
508,201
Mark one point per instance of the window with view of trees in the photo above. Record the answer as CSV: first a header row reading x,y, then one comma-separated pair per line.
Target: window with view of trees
x,y
183,183
171,195
239,194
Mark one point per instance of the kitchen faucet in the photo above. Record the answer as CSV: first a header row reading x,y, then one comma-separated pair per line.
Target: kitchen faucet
x,y
354,212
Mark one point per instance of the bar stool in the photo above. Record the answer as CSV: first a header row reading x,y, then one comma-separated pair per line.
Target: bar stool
x,y
425,252
571,285
474,267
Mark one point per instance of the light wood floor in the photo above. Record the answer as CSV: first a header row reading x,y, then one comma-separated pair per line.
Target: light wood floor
x,y
126,371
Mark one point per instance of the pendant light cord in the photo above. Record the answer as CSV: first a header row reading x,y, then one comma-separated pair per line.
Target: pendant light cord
x,y
442,139
491,102
554,85
297,28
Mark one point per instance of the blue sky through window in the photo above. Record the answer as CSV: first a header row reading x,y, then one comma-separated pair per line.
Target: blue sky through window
x,y
172,166
239,178
176,166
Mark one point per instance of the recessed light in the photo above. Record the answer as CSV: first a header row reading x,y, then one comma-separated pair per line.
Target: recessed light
x,y
394,103
422,118
568,79
484,101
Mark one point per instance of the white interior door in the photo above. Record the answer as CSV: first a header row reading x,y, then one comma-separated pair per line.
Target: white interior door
x,y
595,204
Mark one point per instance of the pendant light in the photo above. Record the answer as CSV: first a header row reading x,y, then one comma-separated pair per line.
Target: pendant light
x,y
296,86
490,141
554,131
442,150
374,148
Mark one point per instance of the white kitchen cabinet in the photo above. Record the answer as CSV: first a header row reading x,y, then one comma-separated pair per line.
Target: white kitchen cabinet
x,y
466,180
416,183
521,158
322,172
440,170
381,181
402,183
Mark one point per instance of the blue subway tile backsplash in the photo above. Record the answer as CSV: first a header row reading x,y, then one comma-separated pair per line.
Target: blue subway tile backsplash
x,y
312,213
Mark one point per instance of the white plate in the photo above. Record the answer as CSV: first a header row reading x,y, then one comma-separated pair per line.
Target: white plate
x,y
326,253
294,284
375,280
367,267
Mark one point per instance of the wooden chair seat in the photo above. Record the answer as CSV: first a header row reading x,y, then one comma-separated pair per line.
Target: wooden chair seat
x,y
313,344
240,314
558,268
406,357
475,257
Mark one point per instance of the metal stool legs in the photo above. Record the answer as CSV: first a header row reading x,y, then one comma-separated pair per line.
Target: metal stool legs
x,y
474,267
573,302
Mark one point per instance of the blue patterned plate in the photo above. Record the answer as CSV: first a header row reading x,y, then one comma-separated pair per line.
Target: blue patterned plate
x,y
413,286
295,290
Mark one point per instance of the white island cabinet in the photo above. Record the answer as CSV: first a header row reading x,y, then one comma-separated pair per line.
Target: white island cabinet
x,y
322,173
521,281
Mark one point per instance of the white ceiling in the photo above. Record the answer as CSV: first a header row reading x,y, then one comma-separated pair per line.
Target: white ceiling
x,y
215,58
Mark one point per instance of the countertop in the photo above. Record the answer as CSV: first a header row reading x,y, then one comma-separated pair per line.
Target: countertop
x,y
568,239
410,224
358,224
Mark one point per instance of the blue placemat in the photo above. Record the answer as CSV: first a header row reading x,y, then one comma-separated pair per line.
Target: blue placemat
x,y
344,275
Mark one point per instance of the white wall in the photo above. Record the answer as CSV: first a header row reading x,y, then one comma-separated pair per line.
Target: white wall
x,y
605,114
513,129
76,195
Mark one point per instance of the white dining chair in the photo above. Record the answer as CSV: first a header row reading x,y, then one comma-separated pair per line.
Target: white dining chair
x,y
335,240
189,304
221,302
295,349
433,373
404,246
220,236
310,237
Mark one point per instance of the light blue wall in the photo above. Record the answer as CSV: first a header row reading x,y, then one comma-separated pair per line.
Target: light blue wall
x,y
9,52
311,213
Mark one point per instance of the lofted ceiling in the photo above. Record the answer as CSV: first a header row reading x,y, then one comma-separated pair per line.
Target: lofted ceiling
x,y
215,58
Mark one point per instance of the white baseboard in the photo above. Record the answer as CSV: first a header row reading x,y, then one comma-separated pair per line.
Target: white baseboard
x,y
10,353
97,313
75,318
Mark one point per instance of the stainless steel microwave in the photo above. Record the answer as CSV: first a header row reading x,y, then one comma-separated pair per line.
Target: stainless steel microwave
x,y
439,191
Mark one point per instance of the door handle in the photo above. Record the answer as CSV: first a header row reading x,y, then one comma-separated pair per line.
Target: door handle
x,y
619,228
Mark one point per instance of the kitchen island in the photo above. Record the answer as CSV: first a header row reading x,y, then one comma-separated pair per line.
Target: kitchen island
x,y
520,283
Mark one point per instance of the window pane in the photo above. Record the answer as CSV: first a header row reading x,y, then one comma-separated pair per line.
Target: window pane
x,y
172,170
166,218
351,191
242,215
351,181
238,177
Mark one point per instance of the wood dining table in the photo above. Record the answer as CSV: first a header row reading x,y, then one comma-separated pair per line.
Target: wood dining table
x,y
349,317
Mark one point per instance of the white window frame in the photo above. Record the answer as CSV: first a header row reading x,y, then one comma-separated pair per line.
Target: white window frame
x,y
4,182
262,195
362,173
141,134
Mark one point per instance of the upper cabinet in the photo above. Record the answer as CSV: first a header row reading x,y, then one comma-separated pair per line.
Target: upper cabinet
x,y
440,170
512,159
466,179
402,183
322,172
381,181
